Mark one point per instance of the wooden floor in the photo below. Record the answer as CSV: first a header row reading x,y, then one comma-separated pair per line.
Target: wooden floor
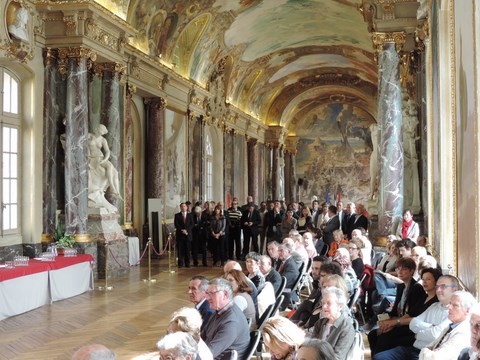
x,y
129,319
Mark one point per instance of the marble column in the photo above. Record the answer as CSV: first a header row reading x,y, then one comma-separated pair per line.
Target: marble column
x,y
195,150
50,145
76,139
154,153
128,188
290,178
389,118
276,173
228,165
252,159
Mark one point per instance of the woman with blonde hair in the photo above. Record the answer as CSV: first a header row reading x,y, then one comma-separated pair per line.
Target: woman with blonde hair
x,y
282,337
189,320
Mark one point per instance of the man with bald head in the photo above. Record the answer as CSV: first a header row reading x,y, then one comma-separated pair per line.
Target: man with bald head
x,y
94,351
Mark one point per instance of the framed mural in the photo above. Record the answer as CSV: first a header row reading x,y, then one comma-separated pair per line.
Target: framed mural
x,y
175,140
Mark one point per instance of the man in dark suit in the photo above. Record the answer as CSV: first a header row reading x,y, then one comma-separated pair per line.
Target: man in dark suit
x,y
250,220
196,292
289,269
332,224
199,236
348,220
183,225
269,272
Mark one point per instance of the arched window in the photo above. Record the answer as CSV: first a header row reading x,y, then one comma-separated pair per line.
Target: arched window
x,y
10,120
208,168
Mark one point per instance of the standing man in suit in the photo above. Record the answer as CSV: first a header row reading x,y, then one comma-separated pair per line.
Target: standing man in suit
x,y
340,214
250,220
315,211
199,236
332,224
235,231
183,225
348,219
196,292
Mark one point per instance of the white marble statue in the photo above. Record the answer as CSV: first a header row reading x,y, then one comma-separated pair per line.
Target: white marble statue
x,y
410,138
102,174
19,28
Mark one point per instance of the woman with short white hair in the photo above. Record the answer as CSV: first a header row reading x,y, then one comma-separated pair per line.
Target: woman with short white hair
x,y
336,326
179,346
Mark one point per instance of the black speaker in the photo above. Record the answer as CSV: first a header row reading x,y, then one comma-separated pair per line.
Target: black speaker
x,y
300,182
155,231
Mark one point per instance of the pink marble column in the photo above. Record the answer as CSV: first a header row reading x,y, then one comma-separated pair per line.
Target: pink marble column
x,y
275,173
252,159
290,178
154,149
128,188
51,118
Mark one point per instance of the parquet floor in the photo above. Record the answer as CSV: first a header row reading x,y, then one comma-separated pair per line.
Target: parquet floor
x,y
128,319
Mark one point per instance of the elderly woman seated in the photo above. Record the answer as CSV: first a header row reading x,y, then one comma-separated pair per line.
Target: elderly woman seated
x,y
282,337
179,345
189,320
336,327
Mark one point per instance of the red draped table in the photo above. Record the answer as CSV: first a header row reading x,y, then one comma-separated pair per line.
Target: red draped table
x,y
28,287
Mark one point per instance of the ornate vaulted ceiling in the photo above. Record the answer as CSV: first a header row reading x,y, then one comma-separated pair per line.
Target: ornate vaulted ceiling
x,y
285,60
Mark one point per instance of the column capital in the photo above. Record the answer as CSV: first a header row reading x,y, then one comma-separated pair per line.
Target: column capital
x,y
422,33
131,89
78,53
275,135
156,102
291,143
379,39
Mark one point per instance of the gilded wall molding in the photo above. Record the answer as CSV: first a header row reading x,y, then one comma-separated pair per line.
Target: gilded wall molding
x,y
379,39
78,53
19,41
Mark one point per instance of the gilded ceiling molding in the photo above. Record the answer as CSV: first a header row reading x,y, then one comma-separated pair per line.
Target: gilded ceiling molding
x,y
422,33
379,39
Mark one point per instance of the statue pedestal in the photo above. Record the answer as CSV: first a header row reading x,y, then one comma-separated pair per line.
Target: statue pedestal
x,y
104,228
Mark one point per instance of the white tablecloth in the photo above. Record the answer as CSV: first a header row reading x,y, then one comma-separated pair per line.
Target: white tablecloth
x,y
133,250
23,294
70,281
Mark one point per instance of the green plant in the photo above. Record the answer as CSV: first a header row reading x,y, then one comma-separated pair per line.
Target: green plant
x,y
66,241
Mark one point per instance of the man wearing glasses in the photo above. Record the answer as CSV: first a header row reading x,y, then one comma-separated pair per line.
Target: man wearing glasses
x,y
227,328
428,325
473,352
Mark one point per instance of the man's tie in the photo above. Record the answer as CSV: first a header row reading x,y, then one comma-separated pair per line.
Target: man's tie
x,y
450,328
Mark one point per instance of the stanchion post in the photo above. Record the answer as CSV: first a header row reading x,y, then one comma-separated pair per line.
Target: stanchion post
x,y
171,269
106,287
150,280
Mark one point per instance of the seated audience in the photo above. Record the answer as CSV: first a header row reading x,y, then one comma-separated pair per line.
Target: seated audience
x,y
272,249
303,221
408,303
388,262
227,328
473,352
241,294
408,229
188,320
400,334
254,274
282,337
355,251
94,351
305,309
338,240
271,275
329,280
428,325
233,265
315,349
336,326
342,257
456,335
309,246
196,292
178,346
289,269
299,254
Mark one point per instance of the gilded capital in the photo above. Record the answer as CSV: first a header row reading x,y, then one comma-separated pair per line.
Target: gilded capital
x,y
379,39
49,56
131,89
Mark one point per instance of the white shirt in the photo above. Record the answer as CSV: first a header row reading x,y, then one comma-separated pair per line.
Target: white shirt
x,y
428,325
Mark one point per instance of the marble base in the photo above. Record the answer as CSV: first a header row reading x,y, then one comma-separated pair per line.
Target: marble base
x,y
7,253
104,228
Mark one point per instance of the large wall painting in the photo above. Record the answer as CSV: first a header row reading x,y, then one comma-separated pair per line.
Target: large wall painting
x,y
334,154
175,161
